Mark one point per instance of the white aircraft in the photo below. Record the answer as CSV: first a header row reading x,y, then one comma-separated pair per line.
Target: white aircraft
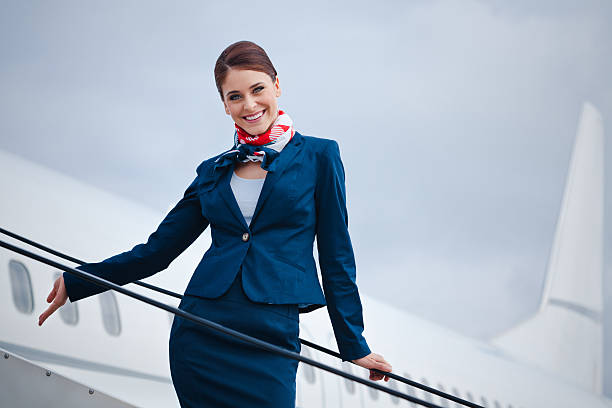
x,y
112,351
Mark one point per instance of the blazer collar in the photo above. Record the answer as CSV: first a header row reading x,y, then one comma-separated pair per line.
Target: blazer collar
x,y
222,176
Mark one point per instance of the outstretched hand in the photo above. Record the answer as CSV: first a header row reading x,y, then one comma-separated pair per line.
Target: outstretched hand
x,y
57,297
376,361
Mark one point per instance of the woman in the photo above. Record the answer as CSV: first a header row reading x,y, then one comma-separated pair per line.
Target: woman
x,y
266,199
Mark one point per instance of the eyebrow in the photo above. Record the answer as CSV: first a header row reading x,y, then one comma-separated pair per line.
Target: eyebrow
x,y
252,86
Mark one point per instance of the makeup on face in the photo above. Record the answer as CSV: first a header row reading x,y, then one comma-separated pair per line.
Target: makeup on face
x,y
251,100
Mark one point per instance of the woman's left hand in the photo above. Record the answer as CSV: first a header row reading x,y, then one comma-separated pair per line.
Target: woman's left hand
x,y
376,361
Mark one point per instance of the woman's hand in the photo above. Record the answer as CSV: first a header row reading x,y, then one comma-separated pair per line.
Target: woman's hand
x,y
376,361
57,298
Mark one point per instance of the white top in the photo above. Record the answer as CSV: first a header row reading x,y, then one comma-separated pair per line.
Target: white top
x,y
246,192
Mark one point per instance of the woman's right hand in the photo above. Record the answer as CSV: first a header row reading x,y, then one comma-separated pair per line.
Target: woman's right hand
x,y
57,298
376,361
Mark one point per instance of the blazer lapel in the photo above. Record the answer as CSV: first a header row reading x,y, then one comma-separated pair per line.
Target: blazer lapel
x,y
223,175
279,165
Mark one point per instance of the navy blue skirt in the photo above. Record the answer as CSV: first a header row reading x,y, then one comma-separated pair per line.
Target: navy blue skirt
x,y
213,369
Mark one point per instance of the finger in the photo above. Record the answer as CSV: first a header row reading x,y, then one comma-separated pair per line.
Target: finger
x,y
52,308
52,294
383,366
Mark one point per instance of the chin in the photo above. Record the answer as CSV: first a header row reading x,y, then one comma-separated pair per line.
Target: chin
x,y
257,130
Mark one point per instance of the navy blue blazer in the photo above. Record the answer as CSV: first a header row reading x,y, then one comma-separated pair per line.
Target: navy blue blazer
x,y
303,195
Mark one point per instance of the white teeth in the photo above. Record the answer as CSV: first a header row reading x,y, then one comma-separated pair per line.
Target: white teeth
x,y
254,116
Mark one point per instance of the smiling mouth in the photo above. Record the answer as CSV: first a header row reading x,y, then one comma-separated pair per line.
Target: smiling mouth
x,y
255,117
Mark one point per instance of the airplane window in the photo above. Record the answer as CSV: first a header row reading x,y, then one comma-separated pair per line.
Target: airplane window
x,y
21,287
309,372
469,396
393,385
110,313
458,395
69,313
373,393
484,402
426,395
350,385
410,389
443,401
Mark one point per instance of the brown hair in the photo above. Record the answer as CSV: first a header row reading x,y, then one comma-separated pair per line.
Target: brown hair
x,y
242,55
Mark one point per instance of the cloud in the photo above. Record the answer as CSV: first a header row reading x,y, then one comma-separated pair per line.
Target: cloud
x,y
455,120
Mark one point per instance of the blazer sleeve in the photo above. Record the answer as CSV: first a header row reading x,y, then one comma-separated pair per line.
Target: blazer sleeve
x,y
181,226
336,258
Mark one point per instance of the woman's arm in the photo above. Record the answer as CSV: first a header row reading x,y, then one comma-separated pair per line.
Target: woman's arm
x,y
337,263
183,224
336,258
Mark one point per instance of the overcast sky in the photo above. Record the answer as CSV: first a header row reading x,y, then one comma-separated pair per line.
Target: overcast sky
x,y
455,122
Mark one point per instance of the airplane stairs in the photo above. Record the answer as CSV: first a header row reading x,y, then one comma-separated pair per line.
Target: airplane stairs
x,y
24,384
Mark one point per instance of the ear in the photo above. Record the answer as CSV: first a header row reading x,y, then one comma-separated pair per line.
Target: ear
x,y
277,87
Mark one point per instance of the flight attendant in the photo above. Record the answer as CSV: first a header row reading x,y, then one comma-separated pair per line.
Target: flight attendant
x,y
266,199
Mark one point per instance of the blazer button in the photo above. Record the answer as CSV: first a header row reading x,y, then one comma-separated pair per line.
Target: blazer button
x,y
245,236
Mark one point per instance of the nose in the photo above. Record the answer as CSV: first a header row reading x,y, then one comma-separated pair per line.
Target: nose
x,y
250,103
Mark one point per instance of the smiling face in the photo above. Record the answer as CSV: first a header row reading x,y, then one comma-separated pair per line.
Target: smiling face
x,y
250,98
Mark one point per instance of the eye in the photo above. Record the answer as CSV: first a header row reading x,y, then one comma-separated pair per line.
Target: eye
x,y
233,97
258,89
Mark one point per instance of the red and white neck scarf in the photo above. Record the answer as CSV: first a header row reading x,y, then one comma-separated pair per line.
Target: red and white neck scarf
x,y
264,147
279,134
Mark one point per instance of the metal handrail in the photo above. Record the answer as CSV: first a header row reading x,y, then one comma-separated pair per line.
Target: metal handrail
x,y
260,343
